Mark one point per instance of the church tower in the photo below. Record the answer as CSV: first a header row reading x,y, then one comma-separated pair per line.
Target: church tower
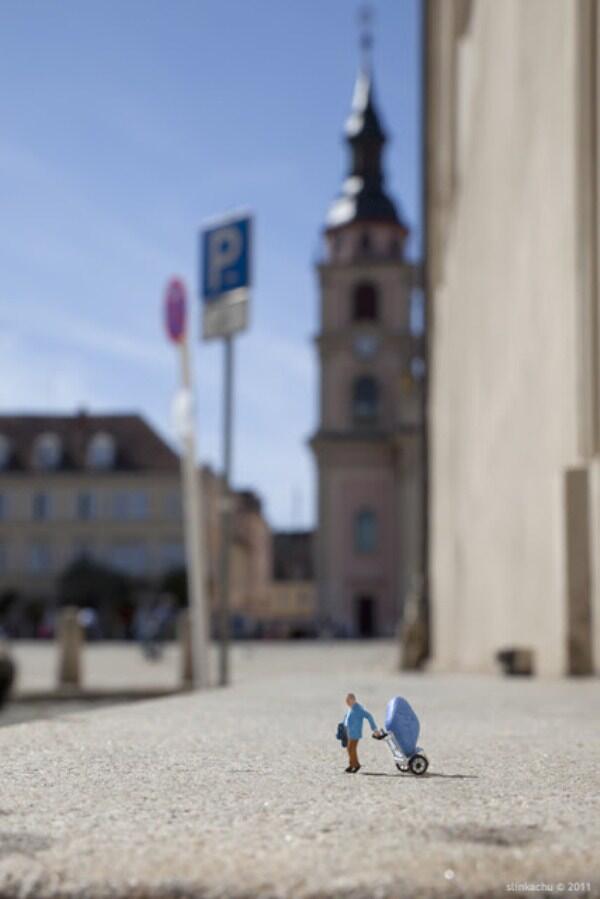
x,y
368,443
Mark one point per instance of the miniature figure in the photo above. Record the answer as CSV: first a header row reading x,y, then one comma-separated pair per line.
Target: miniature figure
x,y
353,723
401,734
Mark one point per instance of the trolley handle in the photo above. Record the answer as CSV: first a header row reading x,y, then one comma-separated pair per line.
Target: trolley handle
x,y
380,736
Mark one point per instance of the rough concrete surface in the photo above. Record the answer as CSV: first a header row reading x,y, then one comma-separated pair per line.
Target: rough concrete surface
x,y
241,792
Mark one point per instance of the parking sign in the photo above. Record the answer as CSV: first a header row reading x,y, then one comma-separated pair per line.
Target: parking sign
x,y
226,275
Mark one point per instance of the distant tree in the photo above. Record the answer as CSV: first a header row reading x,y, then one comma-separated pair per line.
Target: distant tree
x,y
175,583
8,599
88,583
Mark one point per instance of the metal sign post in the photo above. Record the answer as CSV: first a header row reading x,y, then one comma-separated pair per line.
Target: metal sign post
x,y
175,315
226,278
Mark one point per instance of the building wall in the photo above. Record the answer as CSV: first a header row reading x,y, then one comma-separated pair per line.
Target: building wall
x,y
513,377
287,608
152,524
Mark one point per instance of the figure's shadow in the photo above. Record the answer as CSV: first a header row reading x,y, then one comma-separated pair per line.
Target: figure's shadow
x,y
428,776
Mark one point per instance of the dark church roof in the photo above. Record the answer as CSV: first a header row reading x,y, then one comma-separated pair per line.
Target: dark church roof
x,y
137,446
363,197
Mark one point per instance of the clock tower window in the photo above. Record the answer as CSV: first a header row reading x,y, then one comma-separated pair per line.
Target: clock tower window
x,y
365,399
365,531
365,303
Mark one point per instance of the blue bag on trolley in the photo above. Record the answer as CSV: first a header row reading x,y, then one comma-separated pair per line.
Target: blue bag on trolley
x,y
403,723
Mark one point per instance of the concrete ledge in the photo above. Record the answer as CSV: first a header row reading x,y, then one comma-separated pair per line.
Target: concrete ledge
x,y
241,793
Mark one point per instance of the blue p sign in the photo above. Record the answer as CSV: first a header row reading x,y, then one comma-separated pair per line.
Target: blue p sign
x,y
226,258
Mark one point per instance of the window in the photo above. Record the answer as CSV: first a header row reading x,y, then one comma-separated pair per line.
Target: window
x,y
417,312
130,558
172,555
101,452
395,248
417,368
173,505
40,558
130,505
3,557
365,303
365,243
138,504
365,398
86,506
47,452
365,531
40,507
3,506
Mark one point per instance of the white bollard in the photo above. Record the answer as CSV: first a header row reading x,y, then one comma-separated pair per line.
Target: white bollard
x,y
70,638
184,637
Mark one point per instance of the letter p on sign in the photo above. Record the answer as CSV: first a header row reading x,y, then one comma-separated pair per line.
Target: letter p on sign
x,y
225,247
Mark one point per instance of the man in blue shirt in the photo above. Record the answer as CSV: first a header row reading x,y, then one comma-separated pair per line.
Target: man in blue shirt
x,y
354,724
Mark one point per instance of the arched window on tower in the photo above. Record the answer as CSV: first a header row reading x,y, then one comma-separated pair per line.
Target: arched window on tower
x,y
365,302
365,531
365,243
365,399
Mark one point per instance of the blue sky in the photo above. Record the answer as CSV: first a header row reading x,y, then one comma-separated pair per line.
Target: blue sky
x,y
125,125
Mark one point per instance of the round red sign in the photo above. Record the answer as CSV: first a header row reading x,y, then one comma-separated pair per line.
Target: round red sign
x,y
175,309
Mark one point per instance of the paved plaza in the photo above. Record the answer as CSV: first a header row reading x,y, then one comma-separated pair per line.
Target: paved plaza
x,y
241,792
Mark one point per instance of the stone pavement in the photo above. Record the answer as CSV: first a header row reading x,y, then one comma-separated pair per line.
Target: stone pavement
x,y
240,793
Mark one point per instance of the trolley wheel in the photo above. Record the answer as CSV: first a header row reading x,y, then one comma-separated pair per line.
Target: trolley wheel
x,y
403,768
418,764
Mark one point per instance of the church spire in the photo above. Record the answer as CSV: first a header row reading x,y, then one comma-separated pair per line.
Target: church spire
x,y
365,18
363,196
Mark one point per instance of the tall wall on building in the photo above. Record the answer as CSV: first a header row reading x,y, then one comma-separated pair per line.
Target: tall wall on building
x,y
513,341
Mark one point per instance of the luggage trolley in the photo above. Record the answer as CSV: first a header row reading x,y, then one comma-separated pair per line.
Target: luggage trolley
x,y
401,734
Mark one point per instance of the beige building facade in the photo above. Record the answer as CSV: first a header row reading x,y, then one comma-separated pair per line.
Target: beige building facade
x,y
102,488
107,488
368,443
512,117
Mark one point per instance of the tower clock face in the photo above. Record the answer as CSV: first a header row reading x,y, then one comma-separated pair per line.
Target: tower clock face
x,y
366,345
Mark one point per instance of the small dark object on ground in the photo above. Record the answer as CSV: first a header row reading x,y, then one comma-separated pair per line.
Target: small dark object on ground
x,y
516,661
7,676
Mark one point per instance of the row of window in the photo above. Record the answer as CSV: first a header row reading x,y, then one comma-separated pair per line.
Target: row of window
x,y
48,450
364,246
87,505
133,557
